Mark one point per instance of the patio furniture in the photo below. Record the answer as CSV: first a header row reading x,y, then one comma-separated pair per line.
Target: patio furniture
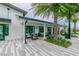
x,y
34,36
28,35
40,34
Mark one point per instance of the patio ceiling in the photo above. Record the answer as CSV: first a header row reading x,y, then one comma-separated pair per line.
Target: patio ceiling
x,y
32,19
36,23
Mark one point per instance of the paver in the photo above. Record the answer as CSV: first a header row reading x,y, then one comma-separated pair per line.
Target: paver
x,y
37,48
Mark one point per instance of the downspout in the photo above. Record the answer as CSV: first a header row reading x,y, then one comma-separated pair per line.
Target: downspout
x,y
8,12
25,32
25,28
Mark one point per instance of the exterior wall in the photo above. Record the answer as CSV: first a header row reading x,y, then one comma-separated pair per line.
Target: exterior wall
x,y
4,12
19,29
15,28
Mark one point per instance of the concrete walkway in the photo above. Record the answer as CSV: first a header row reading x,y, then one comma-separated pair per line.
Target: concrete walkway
x,y
37,48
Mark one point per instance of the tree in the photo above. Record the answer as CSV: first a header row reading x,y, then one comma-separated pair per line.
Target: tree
x,y
74,21
73,9
47,9
56,10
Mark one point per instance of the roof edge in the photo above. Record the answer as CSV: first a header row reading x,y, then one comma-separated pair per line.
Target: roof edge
x,y
14,7
35,19
38,20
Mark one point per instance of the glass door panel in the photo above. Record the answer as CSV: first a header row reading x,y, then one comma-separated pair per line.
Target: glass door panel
x,y
49,30
1,32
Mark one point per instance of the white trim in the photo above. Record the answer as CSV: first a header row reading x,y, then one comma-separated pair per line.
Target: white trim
x,y
44,31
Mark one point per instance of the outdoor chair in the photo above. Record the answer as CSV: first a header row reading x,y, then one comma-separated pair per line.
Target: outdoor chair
x,y
34,36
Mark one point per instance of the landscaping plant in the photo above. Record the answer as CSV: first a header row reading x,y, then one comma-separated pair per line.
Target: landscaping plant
x,y
60,41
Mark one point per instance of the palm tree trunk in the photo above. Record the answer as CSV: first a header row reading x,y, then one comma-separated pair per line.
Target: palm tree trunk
x,y
55,28
69,25
74,29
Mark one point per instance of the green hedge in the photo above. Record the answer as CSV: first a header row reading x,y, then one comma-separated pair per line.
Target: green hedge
x,y
60,41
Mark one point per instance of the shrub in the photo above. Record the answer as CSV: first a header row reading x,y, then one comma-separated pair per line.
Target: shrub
x,y
60,41
50,38
62,32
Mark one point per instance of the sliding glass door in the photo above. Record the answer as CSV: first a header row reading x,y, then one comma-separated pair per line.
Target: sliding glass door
x,y
49,30
2,32
41,31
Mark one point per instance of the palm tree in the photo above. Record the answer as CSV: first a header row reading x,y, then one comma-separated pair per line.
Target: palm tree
x,y
56,10
72,9
74,20
47,9
74,29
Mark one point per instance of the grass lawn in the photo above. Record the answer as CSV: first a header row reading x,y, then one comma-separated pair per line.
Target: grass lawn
x,y
77,32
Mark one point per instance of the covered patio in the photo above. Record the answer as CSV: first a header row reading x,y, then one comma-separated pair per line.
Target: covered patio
x,y
38,27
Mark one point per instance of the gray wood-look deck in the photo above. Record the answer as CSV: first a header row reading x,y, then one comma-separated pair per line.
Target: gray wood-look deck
x,y
37,48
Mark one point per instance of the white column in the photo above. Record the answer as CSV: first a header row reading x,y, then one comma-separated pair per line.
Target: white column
x,y
44,31
52,30
36,29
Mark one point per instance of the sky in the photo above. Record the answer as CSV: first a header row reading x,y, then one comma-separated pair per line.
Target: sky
x,y
27,7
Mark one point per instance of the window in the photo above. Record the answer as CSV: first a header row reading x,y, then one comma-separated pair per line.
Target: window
x,y
6,29
30,29
41,29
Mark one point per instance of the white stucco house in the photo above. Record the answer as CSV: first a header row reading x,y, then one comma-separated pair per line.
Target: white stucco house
x,y
14,24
